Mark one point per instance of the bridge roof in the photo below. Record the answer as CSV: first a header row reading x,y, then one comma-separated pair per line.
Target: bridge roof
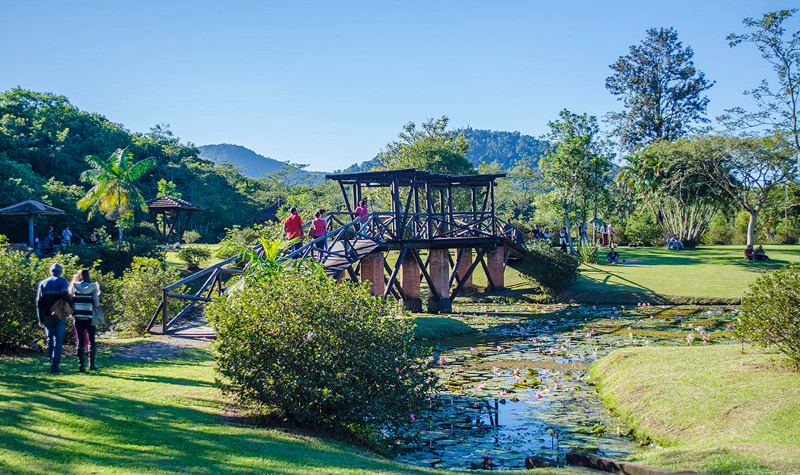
x,y
409,176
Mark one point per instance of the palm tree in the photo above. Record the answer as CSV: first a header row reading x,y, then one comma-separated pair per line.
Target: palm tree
x,y
114,192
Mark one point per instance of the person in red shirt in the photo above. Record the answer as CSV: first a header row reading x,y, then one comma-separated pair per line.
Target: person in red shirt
x,y
293,228
362,211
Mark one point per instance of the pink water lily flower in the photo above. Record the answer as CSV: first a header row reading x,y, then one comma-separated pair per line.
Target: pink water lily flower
x,y
442,360
412,417
539,395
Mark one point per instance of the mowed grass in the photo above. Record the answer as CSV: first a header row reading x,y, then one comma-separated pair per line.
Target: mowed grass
x,y
712,408
706,273
174,261
161,417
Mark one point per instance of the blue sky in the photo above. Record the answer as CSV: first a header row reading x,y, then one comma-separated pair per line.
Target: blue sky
x,y
330,83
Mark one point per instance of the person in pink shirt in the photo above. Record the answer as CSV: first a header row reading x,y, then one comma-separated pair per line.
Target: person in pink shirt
x,y
319,228
610,232
293,228
362,212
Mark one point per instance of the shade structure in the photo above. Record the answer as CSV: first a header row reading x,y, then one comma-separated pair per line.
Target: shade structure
x,y
171,227
30,208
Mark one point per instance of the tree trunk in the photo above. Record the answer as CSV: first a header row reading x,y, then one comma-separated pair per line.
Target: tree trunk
x,y
569,232
751,227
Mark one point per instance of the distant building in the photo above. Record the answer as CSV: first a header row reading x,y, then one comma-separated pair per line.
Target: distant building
x,y
270,214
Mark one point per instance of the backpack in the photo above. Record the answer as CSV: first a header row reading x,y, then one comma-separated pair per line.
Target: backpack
x,y
61,309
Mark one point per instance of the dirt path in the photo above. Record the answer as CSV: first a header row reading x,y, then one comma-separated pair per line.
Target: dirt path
x,y
158,347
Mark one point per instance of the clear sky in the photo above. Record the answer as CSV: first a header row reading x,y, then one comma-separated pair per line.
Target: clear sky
x,y
330,83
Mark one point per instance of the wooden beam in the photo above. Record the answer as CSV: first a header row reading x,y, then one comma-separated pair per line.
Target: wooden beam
x,y
394,272
479,258
346,200
488,274
425,275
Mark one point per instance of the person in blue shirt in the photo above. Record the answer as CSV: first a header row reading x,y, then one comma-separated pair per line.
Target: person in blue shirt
x,y
48,292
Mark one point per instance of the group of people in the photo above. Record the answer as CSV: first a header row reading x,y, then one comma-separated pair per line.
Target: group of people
x,y
757,254
50,240
605,235
56,301
293,226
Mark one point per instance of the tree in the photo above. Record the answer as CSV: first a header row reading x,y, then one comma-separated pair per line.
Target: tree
x,y
576,164
671,179
747,169
113,191
660,88
431,148
778,107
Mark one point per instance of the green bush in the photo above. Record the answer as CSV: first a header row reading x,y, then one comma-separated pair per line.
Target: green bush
x,y
549,267
194,256
322,354
643,231
788,231
140,294
144,229
719,232
588,253
191,237
111,256
770,313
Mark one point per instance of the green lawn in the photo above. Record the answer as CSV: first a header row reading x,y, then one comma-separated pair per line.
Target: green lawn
x,y
174,261
702,275
153,417
712,408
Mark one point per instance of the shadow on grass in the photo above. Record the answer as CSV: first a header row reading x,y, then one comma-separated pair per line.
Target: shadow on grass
x,y
122,421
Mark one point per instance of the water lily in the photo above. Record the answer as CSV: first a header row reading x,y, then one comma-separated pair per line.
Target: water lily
x,y
473,349
412,417
495,370
442,360
539,395
690,338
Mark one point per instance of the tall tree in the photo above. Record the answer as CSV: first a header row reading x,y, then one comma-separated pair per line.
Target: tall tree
x,y
577,163
431,148
660,88
114,192
777,106
748,169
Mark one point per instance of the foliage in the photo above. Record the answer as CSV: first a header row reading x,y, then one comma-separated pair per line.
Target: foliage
x,y
788,231
167,188
719,231
194,256
660,89
778,107
116,257
588,253
642,230
141,292
430,148
549,267
770,313
113,192
191,236
324,354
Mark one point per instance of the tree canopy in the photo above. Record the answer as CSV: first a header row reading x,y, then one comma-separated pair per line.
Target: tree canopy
x,y
431,148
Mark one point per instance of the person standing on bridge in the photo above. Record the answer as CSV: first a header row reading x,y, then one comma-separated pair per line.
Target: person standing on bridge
x,y
293,228
319,228
362,212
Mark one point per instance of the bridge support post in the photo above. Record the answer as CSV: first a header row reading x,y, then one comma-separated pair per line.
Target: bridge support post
x,y
372,271
409,280
463,267
439,269
495,262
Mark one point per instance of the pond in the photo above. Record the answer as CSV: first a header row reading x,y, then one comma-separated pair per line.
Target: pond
x,y
520,387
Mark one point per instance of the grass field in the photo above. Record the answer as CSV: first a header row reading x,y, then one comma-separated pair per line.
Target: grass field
x,y
703,275
174,261
161,417
712,408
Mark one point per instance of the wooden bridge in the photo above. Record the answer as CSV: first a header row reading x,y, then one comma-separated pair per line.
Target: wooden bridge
x,y
429,212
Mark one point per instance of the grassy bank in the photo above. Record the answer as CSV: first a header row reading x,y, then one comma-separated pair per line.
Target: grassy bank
x,y
711,408
163,417
706,274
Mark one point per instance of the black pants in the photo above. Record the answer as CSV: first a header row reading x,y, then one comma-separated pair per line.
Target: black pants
x,y
84,326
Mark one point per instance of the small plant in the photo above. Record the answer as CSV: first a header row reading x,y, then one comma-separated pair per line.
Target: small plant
x,y
140,293
191,237
770,312
194,256
588,253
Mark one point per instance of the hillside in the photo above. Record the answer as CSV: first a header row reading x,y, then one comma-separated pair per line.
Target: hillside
x,y
505,148
253,164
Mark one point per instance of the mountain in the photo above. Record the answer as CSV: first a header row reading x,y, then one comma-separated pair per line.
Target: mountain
x,y
253,164
505,148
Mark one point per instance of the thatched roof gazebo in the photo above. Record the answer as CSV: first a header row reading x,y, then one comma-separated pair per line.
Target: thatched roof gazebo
x,y
270,213
30,208
171,210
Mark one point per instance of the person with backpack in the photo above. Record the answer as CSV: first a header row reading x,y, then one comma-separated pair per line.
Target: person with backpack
x,y
86,300
53,305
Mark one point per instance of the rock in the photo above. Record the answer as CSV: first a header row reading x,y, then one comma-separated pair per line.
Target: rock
x,y
539,462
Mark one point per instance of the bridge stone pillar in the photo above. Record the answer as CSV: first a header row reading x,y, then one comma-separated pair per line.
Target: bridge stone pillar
x,y
463,267
439,267
409,280
494,261
372,271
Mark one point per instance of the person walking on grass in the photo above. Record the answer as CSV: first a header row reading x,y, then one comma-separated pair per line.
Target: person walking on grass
x,y
293,228
562,239
319,228
86,299
52,308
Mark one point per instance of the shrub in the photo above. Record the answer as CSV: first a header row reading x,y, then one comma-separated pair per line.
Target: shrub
x,y
549,267
191,237
115,257
320,353
588,253
788,231
643,231
719,232
140,294
770,313
194,256
144,229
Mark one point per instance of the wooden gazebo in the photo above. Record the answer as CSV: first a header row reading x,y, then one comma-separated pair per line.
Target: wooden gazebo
x,y
175,214
30,208
270,213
